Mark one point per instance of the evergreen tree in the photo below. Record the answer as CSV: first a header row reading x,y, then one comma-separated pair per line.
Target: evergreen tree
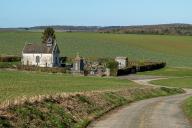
x,y
48,32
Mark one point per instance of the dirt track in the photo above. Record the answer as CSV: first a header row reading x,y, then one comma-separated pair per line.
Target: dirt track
x,y
162,112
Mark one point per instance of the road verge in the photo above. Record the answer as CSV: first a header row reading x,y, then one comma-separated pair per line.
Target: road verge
x,y
187,108
74,110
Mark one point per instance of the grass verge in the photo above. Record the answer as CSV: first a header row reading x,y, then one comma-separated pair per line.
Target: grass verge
x,y
185,82
9,64
170,72
74,110
187,108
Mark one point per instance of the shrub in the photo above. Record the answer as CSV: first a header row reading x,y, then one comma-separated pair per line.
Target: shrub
x,y
42,69
141,67
10,58
113,66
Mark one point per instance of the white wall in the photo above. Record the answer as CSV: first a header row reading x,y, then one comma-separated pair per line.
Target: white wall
x,y
48,60
122,63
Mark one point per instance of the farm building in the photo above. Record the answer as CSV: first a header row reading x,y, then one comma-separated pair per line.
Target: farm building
x,y
44,55
122,62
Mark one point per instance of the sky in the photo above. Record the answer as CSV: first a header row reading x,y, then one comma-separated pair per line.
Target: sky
x,y
28,13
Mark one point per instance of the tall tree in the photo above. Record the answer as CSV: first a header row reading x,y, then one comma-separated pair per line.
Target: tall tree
x,y
48,32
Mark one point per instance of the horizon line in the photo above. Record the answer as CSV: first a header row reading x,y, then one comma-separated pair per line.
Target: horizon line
x,y
21,27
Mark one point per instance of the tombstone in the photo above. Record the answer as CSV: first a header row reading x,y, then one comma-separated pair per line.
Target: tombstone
x,y
107,72
78,64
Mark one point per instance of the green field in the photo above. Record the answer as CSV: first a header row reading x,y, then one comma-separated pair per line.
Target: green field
x,y
170,72
175,50
178,77
175,82
187,107
15,83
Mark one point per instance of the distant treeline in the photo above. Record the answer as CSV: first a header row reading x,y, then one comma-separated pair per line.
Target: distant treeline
x,y
163,29
68,28
167,29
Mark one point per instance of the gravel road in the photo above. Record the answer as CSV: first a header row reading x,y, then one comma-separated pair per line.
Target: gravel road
x,y
161,112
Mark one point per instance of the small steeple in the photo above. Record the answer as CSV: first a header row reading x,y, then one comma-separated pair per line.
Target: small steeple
x,y
49,42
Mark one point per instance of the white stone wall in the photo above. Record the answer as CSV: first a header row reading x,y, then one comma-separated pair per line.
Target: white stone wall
x,y
122,63
46,60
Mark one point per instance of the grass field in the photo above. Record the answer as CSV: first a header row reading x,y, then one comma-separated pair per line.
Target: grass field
x,y
15,83
175,50
187,107
175,82
171,72
8,64
178,77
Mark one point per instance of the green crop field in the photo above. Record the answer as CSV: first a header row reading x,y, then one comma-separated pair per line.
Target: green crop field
x,y
16,83
175,50
177,77
185,82
170,72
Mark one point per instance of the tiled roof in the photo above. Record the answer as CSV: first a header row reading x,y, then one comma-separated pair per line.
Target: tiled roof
x,y
37,48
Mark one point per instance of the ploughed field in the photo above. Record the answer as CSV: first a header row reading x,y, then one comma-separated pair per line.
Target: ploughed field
x,y
175,50
14,84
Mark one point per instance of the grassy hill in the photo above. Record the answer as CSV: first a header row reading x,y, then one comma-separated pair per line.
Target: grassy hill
x,y
175,50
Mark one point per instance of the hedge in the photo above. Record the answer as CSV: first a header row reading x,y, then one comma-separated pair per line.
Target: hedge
x,y
42,69
10,58
141,68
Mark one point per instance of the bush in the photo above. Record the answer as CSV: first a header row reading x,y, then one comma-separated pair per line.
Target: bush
x,y
10,58
129,70
42,69
151,66
113,66
141,67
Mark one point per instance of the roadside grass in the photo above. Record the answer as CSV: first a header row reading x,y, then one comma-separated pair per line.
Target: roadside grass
x,y
177,77
170,72
187,108
175,50
185,82
75,111
16,83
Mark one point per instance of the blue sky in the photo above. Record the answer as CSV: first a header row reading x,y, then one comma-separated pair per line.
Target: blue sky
x,y
25,13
